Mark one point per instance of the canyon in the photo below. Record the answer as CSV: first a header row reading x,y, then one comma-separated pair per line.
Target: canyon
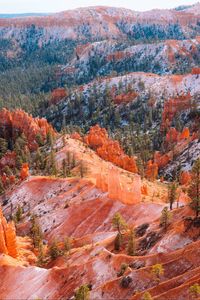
x,y
100,154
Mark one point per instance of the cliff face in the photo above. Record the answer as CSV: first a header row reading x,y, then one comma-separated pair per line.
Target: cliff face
x,y
8,244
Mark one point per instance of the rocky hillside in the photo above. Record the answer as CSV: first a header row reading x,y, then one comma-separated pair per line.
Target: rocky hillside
x,y
91,260
105,58
125,70
56,50
110,22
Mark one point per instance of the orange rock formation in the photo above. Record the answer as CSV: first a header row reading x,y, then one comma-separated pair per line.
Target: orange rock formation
x,y
9,159
151,171
185,178
8,243
174,106
76,136
196,71
20,122
125,98
57,95
161,160
117,188
174,136
109,150
24,173
185,134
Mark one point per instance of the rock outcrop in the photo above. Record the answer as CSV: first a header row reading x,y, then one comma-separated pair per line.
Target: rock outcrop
x,y
16,122
8,244
117,188
109,150
151,171
24,173
174,106
57,95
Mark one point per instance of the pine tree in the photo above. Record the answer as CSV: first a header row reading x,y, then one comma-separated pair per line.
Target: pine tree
x,y
63,137
147,296
194,189
165,218
39,160
35,231
131,250
67,244
68,159
64,168
123,269
41,256
1,187
73,164
118,241
19,213
51,166
8,171
39,140
54,250
83,293
3,147
172,194
119,224
194,291
82,169
50,139
157,271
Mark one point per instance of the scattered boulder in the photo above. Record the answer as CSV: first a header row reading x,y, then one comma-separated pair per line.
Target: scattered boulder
x,y
150,240
141,230
137,265
125,282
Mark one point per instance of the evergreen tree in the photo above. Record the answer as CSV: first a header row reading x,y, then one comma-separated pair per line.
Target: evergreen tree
x,y
8,171
73,163
119,224
194,291
19,213
3,147
157,271
39,160
35,231
64,168
1,187
39,140
67,244
41,256
147,296
52,167
131,250
165,218
82,169
123,269
194,189
68,159
63,137
83,293
54,250
172,194
50,139
118,241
